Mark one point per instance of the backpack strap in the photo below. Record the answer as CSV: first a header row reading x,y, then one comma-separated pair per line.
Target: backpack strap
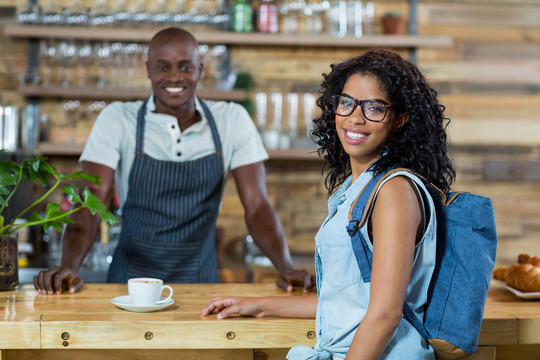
x,y
361,250
361,209
367,197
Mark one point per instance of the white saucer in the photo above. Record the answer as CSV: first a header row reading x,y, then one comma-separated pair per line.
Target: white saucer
x,y
520,294
125,303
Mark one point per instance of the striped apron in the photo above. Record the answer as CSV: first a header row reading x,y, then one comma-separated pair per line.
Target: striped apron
x,y
169,216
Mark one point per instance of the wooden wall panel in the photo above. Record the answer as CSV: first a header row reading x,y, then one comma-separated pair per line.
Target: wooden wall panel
x,y
478,15
489,79
502,106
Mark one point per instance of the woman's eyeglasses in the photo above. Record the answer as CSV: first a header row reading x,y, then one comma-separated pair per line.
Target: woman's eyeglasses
x,y
373,109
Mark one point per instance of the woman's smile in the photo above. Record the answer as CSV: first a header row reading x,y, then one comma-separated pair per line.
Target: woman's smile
x,y
354,137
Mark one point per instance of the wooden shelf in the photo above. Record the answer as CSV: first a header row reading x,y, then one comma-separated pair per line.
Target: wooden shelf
x,y
56,149
294,154
119,93
229,38
59,149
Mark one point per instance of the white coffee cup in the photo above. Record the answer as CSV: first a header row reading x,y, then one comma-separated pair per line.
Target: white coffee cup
x,y
147,291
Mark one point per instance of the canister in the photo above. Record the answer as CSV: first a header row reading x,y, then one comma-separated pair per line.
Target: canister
x,y
30,116
9,125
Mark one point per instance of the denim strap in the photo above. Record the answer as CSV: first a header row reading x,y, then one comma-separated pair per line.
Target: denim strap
x,y
362,251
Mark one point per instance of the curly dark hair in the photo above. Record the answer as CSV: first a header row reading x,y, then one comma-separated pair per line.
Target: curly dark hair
x,y
420,145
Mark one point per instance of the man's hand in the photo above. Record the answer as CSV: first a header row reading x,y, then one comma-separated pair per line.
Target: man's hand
x,y
291,278
56,280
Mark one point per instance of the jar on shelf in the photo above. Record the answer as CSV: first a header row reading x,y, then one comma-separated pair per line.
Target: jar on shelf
x,y
242,16
9,262
267,17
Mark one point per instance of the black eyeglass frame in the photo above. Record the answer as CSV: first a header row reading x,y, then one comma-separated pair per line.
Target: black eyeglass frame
x,y
361,104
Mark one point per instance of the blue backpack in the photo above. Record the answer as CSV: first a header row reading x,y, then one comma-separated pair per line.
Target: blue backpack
x,y
466,248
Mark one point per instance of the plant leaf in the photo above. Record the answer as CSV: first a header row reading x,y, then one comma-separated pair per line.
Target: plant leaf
x,y
3,191
9,166
53,209
55,217
38,169
56,226
35,217
71,190
83,175
95,206
7,179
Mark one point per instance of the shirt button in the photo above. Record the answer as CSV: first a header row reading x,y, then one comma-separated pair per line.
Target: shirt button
x,y
179,154
178,141
173,127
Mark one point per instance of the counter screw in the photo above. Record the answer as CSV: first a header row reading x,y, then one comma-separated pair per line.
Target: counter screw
x,y
65,343
149,335
65,336
231,335
311,334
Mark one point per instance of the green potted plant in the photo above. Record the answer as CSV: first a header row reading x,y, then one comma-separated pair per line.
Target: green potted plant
x,y
393,23
39,170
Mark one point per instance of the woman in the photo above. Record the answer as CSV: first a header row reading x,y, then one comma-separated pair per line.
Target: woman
x,y
378,112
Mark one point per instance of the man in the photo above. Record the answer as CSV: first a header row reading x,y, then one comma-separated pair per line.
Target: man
x,y
170,155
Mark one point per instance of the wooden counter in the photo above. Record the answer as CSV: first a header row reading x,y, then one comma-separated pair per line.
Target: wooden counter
x,y
87,325
47,324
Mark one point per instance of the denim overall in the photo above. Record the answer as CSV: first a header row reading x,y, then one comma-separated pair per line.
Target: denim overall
x,y
343,297
169,216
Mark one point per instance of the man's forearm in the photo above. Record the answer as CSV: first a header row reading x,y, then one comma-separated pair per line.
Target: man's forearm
x,y
78,239
265,228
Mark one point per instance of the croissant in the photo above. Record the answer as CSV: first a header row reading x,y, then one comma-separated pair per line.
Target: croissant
x,y
524,277
528,259
500,273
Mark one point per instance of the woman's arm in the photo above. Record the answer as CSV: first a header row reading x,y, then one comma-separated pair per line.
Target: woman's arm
x,y
396,224
282,306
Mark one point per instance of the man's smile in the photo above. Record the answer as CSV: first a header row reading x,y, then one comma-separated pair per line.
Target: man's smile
x,y
174,90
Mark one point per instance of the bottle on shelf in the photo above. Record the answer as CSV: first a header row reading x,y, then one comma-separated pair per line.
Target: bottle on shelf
x,y
242,16
44,127
267,17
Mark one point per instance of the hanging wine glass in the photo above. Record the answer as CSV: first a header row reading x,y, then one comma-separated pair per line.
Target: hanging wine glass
x,y
121,12
159,14
95,108
139,14
130,63
71,107
66,57
199,14
101,14
50,13
180,16
75,14
84,50
118,68
102,51
47,61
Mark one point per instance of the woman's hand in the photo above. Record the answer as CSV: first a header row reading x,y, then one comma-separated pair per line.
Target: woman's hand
x,y
225,307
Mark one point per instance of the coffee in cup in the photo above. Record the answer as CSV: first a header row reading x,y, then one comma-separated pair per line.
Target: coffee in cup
x,y
147,291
